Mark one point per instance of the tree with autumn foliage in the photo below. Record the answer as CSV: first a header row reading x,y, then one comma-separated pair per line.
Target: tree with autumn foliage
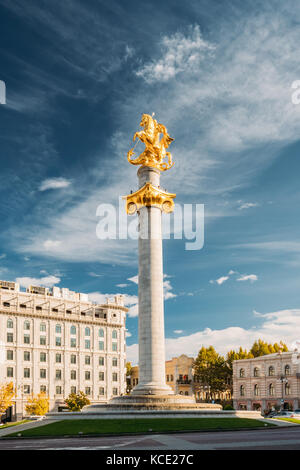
x,y
7,393
262,348
38,405
76,401
212,370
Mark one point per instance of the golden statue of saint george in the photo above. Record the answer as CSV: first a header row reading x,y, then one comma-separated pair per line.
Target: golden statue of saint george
x,y
155,151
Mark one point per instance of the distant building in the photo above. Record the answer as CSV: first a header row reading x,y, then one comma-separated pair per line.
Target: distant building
x,y
266,382
181,378
57,341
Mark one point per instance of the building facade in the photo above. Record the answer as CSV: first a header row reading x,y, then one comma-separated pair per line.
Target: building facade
x,y
57,341
266,382
181,378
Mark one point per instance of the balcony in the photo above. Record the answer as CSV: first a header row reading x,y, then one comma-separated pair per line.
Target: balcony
x,y
184,381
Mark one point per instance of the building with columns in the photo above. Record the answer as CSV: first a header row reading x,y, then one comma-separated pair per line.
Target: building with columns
x,y
181,378
266,382
57,341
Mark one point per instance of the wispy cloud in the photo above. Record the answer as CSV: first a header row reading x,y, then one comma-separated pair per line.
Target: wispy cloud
x,y
247,205
47,281
248,277
54,183
180,53
281,325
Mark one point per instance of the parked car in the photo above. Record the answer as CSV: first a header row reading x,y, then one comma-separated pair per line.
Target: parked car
x,y
283,414
295,414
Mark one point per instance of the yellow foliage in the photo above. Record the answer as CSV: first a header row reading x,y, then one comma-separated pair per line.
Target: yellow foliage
x,y
6,395
38,405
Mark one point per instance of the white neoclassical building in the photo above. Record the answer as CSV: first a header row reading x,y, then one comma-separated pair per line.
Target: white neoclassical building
x,y
267,382
57,341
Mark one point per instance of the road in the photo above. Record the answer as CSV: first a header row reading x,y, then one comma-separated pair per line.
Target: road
x,y
265,439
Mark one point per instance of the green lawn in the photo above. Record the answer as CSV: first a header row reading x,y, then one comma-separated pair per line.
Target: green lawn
x,y
292,420
15,423
124,426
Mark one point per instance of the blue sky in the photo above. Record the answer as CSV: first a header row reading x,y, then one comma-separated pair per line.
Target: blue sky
x,y
218,74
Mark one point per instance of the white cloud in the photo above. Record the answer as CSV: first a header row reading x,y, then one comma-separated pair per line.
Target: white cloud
x,y
3,256
51,244
247,205
178,332
281,325
248,277
134,279
128,334
220,281
54,183
47,281
168,294
92,274
122,285
180,53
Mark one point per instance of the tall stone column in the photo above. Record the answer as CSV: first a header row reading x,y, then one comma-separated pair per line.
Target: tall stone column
x,y
151,297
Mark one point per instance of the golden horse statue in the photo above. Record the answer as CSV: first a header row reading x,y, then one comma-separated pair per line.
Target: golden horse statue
x,y
155,151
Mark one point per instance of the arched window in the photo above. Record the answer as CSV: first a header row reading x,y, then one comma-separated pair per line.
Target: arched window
x,y
73,330
242,372
256,390
271,371
256,371
10,323
242,390
26,325
271,390
287,389
114,334
101,333
58,329
87,331
287,370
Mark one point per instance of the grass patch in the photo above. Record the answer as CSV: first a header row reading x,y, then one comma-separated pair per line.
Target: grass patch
x,y
291,420
125,426
15,423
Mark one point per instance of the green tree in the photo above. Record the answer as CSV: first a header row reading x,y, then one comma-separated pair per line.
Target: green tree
x,y
128,369
38,405
6,396
76,401
212,370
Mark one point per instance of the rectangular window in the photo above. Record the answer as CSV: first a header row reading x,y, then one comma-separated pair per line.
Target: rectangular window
x,y
42,340
26,373
73,389
43,357
58,341
42,373
87,375
26,388
43,389
101,376
57,357
9,355
10,372
58,390
58,374
87,344
115,346
87,360
87,390
73,359
115,362
10,337
101,361
42,327
115,377
115,391
73,343
101,391
101,345
26,339
73,374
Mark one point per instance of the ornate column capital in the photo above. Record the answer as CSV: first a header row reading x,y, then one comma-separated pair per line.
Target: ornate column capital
x,y
149,196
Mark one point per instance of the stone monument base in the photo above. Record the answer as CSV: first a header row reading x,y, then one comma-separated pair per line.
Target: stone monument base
x,y
151,402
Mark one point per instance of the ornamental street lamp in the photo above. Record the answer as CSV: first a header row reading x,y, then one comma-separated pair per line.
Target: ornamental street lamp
x,y
283,380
